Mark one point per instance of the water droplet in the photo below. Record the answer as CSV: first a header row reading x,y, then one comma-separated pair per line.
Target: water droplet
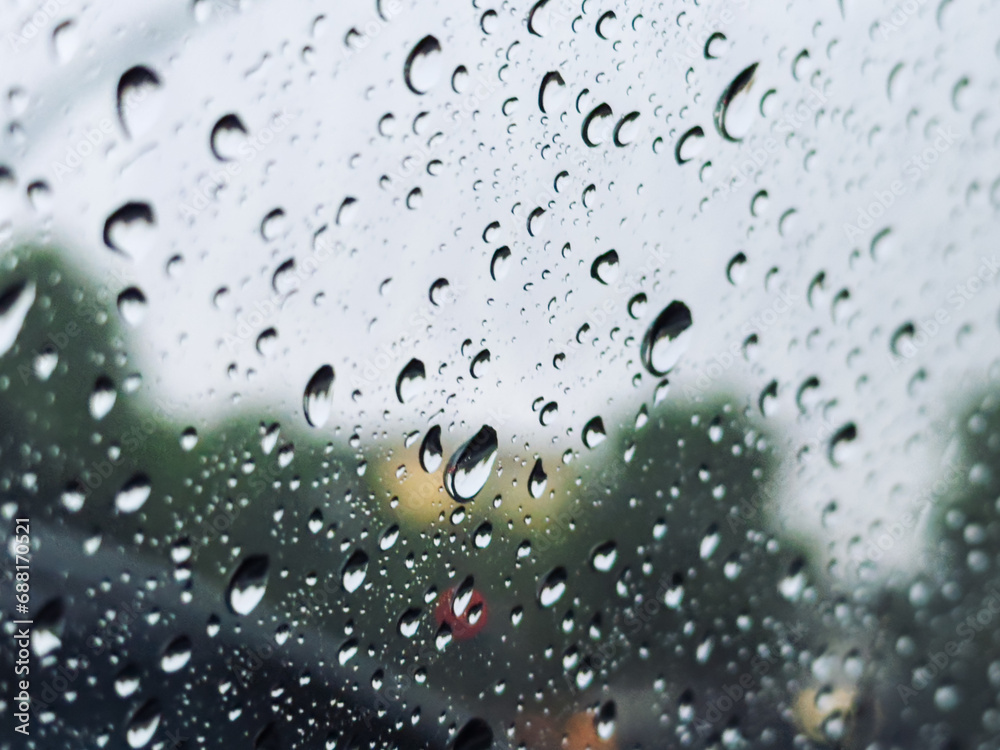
x,y
248,584
469,468
132,305
500,263
605,267
552,93
665,341
440,292
603,557
408,623
229,135
637,306
537,480
15,302
736,271
102,397
605,24
431,453
548,413
129,230
354,571
552,588
841,444
143,725
422,69
317,398
594,433
690,145
133,494
710,542
626,129
483,535
479,368
140,100
734,114
410,382
273,225
127,682
596,125
176,655
65,41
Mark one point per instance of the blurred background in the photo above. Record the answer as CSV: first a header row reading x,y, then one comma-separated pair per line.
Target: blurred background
x,y
544,375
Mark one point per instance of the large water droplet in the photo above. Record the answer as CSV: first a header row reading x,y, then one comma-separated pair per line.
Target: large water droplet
x,y
470,466
423,65
316,400
665,342
140,100
734,114
248,584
